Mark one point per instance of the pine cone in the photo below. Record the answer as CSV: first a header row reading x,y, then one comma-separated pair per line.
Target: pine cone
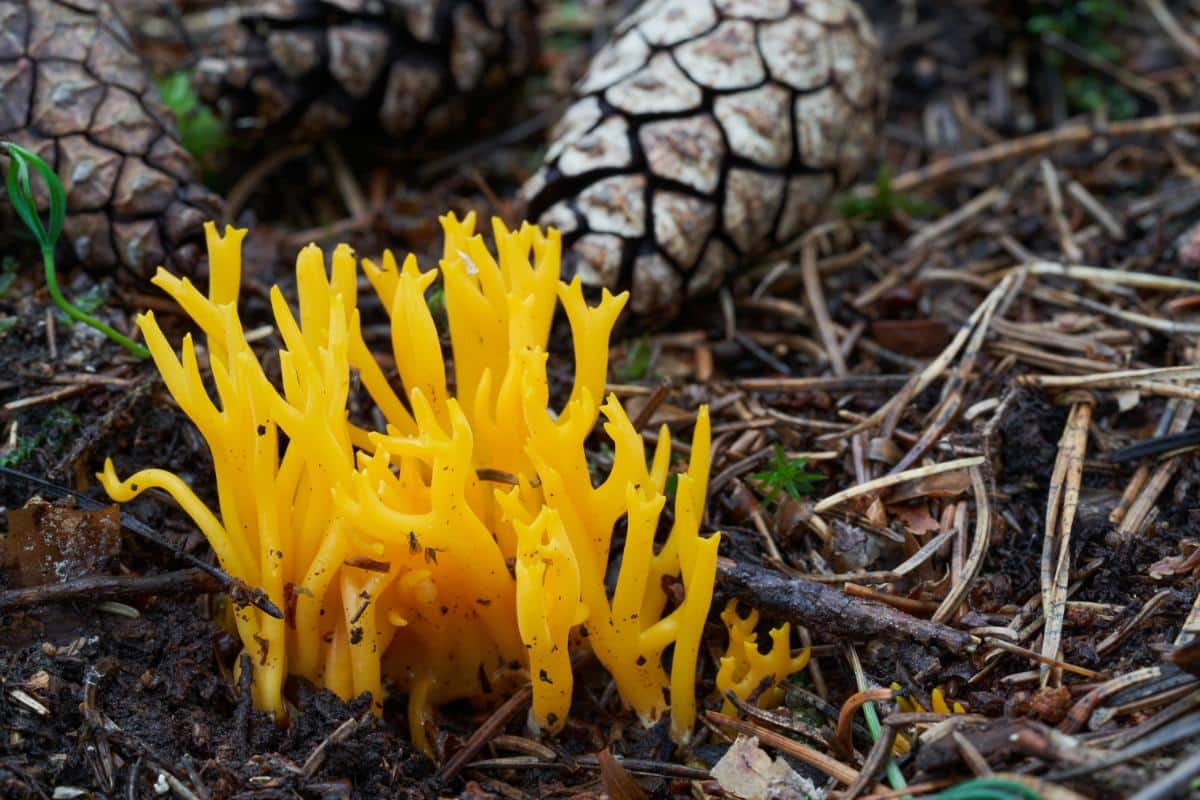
x,y
73,90
302,69
704,135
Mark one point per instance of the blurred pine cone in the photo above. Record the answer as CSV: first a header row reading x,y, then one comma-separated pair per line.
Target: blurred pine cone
x,y
705,134
73,90
301,69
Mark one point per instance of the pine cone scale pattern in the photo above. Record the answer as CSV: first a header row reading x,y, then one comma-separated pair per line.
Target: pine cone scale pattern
x,y
74,91
356,56
704,135
308,68
14,30
16,87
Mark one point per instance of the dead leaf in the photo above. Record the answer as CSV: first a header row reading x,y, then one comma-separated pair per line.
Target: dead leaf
x,y
916,518
877,514
746,771
1186,657
52,543
852,548
918,338
619,784
900,298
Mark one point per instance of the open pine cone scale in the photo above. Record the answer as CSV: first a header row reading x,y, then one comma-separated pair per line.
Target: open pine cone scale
x,y
706,134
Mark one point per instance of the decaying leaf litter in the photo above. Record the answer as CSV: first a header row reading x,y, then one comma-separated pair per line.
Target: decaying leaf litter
x,y
988,382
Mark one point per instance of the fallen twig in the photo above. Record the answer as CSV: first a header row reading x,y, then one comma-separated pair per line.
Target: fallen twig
x,y
823,608
484,733
979,547
1061,502
894,478
1035,143
801,752
96,587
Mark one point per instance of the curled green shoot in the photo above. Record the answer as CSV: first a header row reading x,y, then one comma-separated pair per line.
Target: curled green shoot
x,y
20,193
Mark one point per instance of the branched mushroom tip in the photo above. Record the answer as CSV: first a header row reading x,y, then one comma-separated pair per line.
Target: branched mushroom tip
x,y
394,562
745,670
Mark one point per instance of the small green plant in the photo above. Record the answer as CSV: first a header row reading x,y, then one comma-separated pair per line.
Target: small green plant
x,y
200,130
1089,24
571,24
884,204
436,300
1092,93
786,475
54,426
8,273
20,194
636,364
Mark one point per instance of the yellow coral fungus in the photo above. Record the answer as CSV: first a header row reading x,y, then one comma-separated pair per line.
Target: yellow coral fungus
x,y
909,704
463,548
937,699
744,669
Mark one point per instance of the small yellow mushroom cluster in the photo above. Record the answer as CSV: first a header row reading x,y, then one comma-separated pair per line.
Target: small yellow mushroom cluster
x,y
909,704
744,669
937,699
464,548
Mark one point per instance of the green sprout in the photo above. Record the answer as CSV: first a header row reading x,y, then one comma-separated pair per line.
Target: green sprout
x,y
1085,22
200,130
8,274
436,300
54,427
20,193
637,361
786,475
884,204
1088,24
1093,93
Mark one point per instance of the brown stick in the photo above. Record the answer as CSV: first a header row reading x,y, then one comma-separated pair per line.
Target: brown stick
x,y
826,383
484,733
97,587
1027,146
798,750
821,608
